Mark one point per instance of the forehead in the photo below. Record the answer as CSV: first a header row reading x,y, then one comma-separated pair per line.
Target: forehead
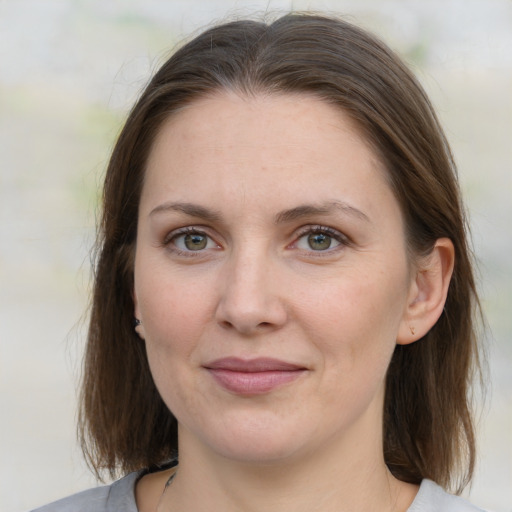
x,y
294,144
260,117
227,120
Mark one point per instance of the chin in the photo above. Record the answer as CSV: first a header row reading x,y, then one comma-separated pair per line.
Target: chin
x,y
257,443
258,454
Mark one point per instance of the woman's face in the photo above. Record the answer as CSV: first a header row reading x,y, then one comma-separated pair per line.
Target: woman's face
x,y
271,276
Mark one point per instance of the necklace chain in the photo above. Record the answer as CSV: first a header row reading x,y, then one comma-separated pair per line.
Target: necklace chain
x,y
167,485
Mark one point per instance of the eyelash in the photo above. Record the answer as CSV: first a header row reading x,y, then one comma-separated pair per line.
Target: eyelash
x,y
339,237
189,230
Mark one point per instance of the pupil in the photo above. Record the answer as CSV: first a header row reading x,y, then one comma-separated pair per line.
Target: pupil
x,y
319,241
195,242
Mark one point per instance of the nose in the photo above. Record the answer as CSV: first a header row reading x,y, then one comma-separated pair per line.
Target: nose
x,y
250,301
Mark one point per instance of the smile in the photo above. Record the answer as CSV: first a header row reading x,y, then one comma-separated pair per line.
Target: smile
x,y
253,377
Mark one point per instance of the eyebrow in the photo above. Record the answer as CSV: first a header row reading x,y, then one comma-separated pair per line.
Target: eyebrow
x,y
326,208
191,209
306,210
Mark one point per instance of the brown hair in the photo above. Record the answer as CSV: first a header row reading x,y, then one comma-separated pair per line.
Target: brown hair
x,y
428,427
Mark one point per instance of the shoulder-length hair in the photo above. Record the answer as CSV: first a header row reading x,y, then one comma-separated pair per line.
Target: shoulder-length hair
x,y
428,428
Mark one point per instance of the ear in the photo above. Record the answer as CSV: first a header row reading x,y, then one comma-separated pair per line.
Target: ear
x,y
428,291
139,327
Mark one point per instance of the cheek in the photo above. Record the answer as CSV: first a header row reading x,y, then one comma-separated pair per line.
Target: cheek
x,y
174,322
172,305
173,319
358,305
356,320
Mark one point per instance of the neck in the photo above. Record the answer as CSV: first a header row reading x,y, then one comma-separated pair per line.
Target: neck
x,y
349,478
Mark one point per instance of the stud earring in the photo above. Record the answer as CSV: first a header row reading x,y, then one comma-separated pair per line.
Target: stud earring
x,y
137,324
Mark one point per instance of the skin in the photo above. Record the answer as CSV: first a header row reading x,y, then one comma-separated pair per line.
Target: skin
x,y
254,178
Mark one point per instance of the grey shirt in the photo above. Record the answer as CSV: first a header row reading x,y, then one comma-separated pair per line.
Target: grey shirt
x,y
120,497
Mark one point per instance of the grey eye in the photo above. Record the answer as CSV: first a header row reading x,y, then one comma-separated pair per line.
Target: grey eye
x,y
319,241
195,241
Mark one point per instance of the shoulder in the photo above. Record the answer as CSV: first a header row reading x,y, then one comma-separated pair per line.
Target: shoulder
x,y
433,498
117,497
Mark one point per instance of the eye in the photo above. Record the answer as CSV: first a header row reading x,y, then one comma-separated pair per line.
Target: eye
x,y
319,239
191,240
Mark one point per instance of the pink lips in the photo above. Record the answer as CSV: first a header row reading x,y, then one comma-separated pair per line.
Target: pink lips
x,y
254,376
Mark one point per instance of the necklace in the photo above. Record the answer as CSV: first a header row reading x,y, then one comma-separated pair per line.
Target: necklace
x,y
167,485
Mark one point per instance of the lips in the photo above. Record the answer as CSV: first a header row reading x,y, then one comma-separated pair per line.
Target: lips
x,y
253,376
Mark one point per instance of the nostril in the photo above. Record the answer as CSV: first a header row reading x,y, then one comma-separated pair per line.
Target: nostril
x,y
246,328
226,324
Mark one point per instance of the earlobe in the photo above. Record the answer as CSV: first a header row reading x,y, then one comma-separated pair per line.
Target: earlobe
x,y
428,292
137,322
139,328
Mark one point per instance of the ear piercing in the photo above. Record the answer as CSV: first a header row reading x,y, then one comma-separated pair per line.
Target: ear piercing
x,y
136,324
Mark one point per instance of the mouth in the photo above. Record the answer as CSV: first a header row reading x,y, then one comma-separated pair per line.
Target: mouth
x,y
253,376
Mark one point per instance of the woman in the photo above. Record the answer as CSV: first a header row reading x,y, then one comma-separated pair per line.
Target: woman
x,y
284,304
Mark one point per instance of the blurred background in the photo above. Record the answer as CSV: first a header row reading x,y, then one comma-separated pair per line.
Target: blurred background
x,y
69,72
